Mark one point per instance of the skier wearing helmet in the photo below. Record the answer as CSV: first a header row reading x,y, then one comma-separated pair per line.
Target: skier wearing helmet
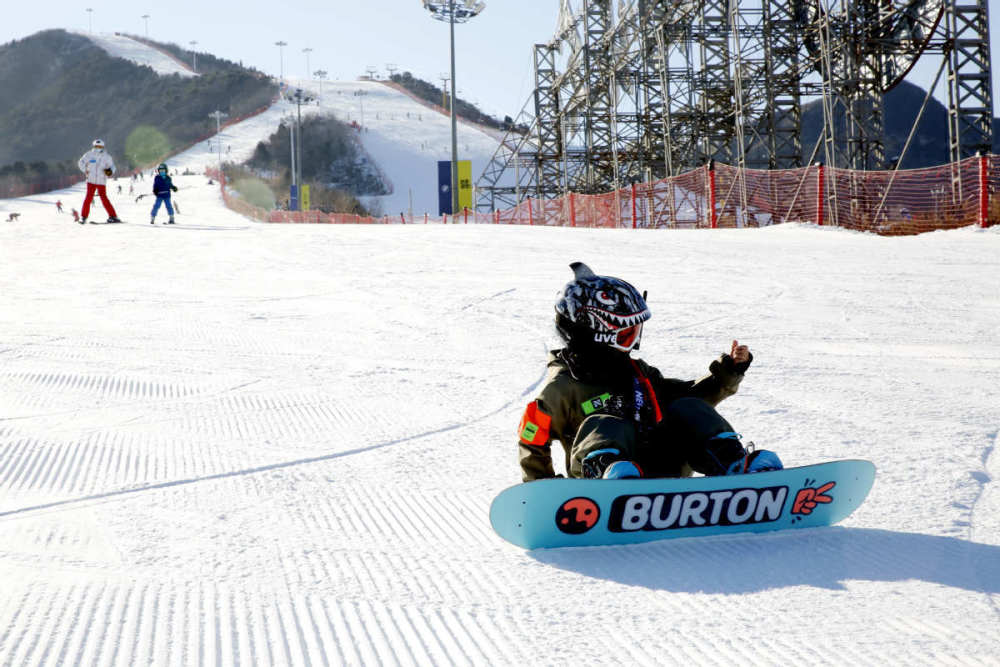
x,y
618,417
98,166
162,185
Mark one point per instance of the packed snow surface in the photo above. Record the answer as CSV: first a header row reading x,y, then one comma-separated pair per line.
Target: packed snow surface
x,y
228,442
121,46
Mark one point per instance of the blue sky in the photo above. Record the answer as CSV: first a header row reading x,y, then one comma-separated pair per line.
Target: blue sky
x,y
494,49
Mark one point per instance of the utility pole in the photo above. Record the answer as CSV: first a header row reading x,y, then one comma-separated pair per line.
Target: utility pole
x,y
194,56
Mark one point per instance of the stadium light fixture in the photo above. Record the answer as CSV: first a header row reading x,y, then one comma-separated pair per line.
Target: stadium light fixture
x,y
452,12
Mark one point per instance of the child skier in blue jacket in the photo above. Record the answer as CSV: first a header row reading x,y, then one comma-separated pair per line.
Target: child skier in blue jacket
x,y
162,185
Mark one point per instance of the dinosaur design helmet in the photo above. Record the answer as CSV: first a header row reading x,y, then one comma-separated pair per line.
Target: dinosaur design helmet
x,y
600,309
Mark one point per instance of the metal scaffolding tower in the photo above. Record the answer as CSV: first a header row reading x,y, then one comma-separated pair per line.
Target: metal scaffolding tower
x,y
643,89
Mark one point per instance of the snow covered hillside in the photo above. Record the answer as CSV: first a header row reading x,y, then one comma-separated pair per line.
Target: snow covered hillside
x,y
227,442
121,46
404,137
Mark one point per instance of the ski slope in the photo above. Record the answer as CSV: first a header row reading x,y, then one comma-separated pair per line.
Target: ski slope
x,y
402,136
120,46
228,442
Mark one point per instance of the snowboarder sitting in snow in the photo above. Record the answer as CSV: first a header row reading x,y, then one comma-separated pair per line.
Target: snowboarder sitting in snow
x,y
162,185
618,417
98,166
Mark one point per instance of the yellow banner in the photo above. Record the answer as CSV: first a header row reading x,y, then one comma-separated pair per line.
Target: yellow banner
x,y
304,198
464,185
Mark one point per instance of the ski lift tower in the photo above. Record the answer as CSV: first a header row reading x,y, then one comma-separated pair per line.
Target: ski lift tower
x,y
452,12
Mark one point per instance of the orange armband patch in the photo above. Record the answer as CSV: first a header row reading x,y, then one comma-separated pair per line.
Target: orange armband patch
x,y
534,428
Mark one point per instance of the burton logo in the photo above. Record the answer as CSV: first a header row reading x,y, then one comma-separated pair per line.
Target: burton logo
x,y
577,515
807,499
693,509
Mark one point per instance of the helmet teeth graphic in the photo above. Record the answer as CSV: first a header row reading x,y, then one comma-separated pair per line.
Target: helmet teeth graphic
x,y
602,309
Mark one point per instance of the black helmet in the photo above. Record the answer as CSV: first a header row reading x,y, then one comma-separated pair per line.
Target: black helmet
x,y
600,309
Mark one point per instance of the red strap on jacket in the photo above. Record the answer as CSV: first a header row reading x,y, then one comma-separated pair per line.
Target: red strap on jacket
x,y
649,391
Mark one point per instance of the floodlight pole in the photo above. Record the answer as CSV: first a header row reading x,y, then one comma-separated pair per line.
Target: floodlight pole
x,y
281,60
194,56
90,20
446,12
218,116
145,18
307,51
321,75
454,120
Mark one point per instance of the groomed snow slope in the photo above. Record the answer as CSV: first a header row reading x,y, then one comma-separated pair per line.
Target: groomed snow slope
x,y
404,137
228,442
121,46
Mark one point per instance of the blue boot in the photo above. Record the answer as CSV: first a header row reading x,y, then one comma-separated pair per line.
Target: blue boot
x,y
608,464
760,460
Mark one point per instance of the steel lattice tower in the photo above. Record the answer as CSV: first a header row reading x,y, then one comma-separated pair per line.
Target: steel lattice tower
x,y
651,88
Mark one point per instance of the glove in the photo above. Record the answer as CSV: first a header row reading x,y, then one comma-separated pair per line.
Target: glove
x,y
725,367
174,188
108,172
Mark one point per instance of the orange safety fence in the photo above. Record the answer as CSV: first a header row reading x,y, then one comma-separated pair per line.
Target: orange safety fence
x,y
900,202
908,201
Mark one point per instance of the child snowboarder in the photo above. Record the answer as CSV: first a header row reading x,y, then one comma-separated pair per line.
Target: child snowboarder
x,y
162,185
618,417
98,166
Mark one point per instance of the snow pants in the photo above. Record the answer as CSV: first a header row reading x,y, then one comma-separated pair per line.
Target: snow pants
x,y
684,441
103,194
162,199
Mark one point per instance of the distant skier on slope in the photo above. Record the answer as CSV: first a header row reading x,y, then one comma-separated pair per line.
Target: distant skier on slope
x,y
98,166
162,185
618,417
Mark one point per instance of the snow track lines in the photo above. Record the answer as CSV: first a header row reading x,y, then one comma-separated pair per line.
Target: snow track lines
x,y
279,446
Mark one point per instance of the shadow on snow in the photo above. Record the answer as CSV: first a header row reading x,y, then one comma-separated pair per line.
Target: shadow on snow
x,y
822,557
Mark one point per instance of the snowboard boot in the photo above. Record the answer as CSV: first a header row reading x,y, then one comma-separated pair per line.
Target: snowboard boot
x,y
114,219
171,220
724,454
83,221
608,464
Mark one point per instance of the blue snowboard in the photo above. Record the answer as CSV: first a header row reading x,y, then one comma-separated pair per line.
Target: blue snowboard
x,y
590,512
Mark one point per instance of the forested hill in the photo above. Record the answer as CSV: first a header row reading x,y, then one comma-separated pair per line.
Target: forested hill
x,y
60,91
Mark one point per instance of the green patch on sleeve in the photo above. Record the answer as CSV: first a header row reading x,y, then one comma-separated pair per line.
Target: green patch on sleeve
x,y
592,405
528,434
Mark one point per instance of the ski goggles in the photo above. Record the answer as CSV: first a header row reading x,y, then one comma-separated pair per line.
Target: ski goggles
x,y
628,338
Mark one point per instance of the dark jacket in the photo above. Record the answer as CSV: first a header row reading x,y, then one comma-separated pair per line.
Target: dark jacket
x,y
630,392
162,185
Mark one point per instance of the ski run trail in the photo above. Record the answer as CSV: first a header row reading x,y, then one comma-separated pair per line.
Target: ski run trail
x,y
232,443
